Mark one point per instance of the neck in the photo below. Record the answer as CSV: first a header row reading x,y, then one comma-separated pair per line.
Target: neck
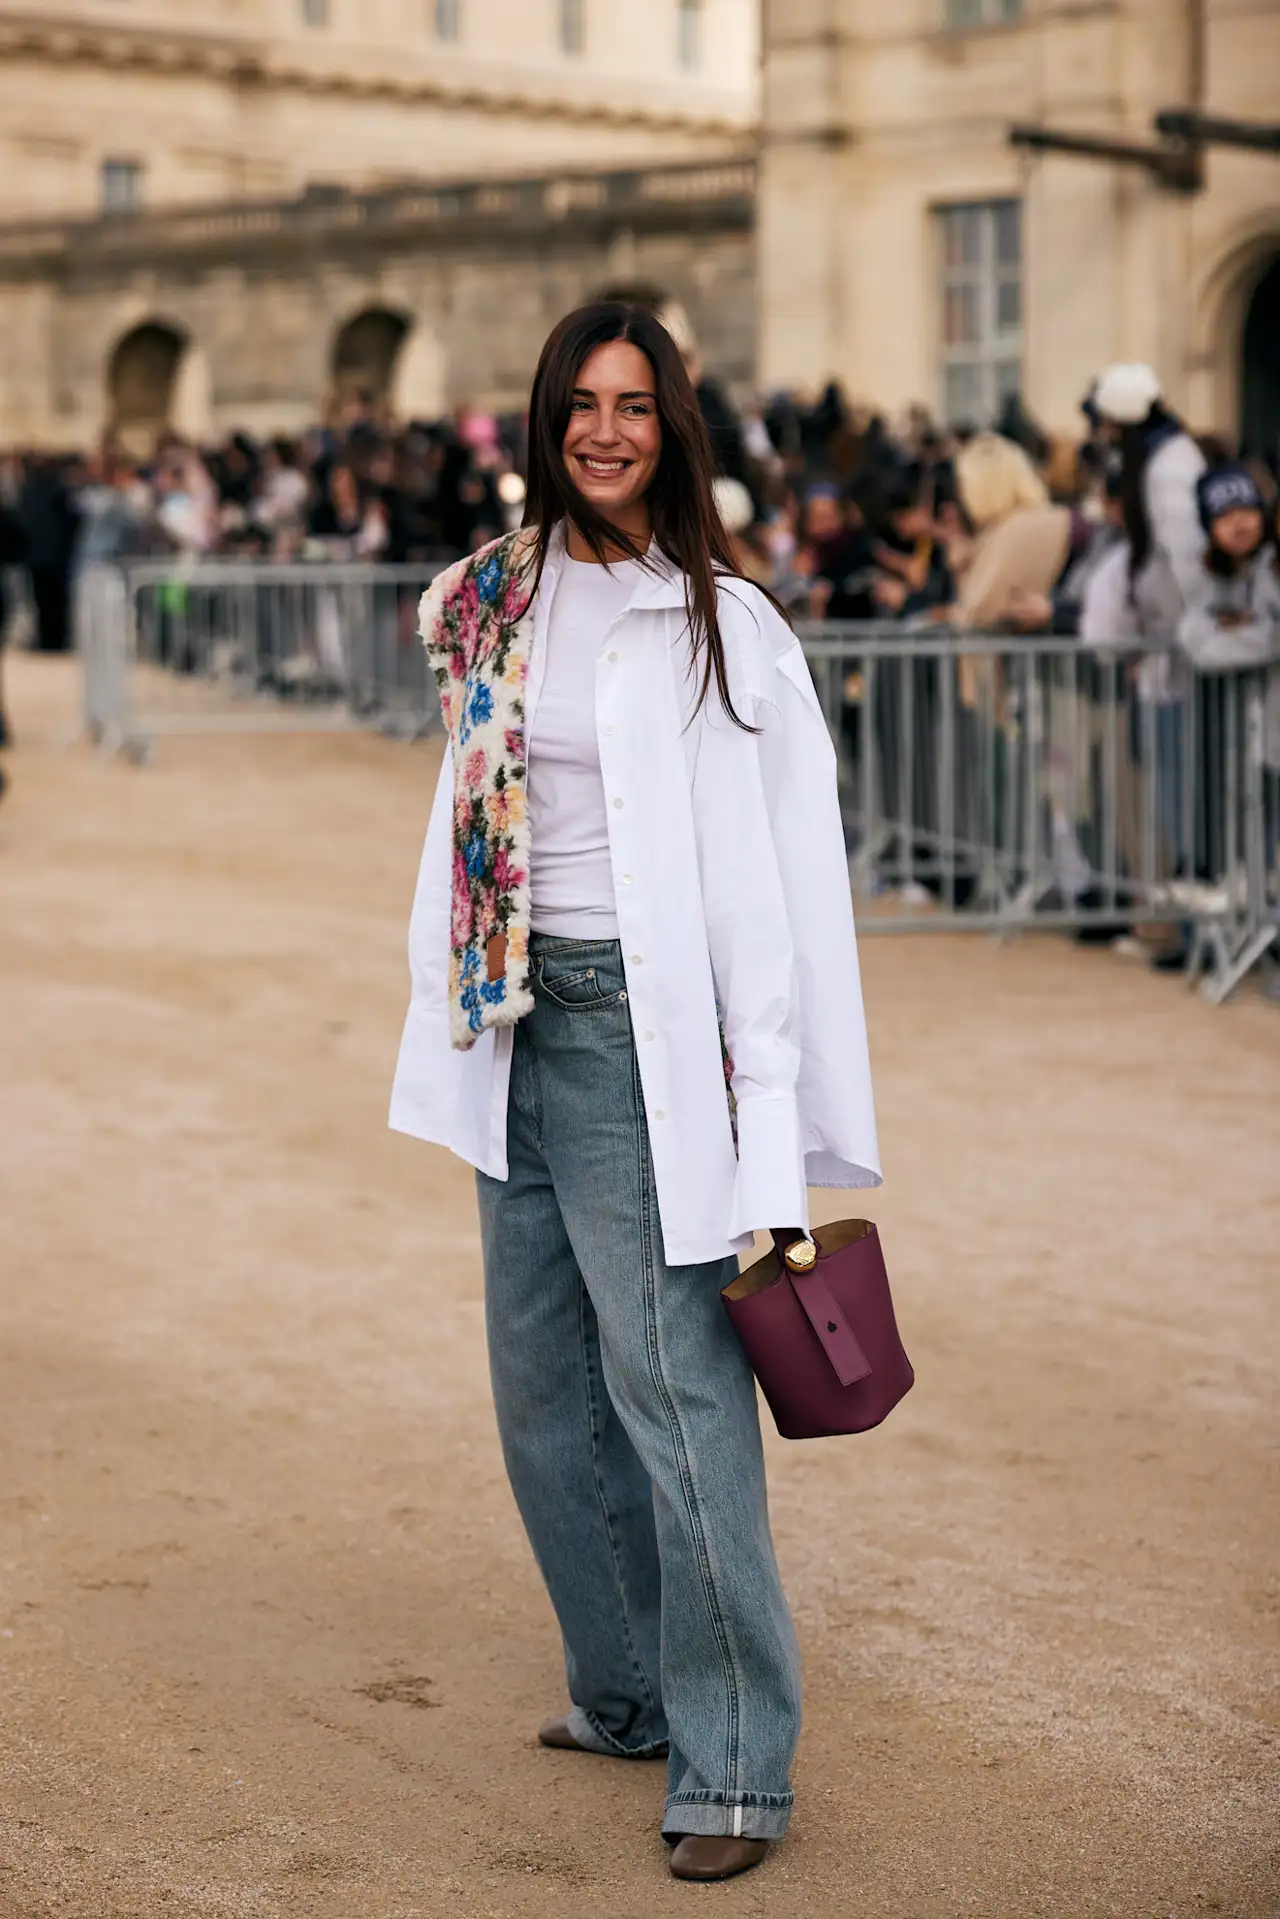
x,y
632,520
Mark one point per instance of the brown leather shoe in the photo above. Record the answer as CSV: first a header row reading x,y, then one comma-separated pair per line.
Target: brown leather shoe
x,y
556,1733
699,1855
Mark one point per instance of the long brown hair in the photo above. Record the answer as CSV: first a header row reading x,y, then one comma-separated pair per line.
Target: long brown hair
x,y
682,509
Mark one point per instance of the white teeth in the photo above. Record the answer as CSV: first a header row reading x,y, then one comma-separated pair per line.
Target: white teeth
x,y
603,466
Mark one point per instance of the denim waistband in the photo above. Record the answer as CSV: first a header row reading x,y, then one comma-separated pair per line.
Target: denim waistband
x,y
549,944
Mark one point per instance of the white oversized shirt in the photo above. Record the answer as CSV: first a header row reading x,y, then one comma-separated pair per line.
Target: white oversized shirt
x,y
731,881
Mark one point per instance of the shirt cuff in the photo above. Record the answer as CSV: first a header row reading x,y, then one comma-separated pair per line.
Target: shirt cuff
x,y
770,1188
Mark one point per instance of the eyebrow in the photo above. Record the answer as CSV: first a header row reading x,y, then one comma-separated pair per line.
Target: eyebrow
x,y
636,393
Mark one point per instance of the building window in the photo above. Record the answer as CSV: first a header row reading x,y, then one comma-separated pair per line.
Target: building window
x,y
573,25
448,19
960,15
981,251
121,185
315,13
689,32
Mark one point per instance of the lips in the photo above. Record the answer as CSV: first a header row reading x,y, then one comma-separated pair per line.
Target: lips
x,y
602,469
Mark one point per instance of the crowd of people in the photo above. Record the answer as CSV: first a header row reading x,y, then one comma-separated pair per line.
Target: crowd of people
x,y
842,515
1132,532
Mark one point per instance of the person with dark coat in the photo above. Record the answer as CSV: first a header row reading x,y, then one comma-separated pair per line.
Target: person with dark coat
x,y
49,520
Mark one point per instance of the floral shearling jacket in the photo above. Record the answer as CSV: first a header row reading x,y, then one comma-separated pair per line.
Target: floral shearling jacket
x,y
476,622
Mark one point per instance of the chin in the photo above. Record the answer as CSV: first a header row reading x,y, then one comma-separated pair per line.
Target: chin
x,y
607,499
607,496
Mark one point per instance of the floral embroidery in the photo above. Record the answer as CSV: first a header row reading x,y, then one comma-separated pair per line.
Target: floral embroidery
x,y
475,621
726,1061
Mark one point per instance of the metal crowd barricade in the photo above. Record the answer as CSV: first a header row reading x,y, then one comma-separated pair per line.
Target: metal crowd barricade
x,y
223,646
1001,783
996,783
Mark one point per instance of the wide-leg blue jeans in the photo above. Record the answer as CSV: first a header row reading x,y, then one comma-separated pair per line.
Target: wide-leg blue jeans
x,y
628,1420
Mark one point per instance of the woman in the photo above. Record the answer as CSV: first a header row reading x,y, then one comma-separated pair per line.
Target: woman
x,y
1234,616
635,858
838,556
1138,596
348,521
1233,623
1022,542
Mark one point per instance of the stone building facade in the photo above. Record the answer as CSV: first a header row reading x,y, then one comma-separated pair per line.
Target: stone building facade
x,y
908,249
260,314
161,102
217,212
227,212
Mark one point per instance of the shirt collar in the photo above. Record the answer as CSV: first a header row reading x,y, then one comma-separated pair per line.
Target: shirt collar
x,y
659,584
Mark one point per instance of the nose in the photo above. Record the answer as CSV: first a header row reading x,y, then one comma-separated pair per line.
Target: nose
x,y
605,432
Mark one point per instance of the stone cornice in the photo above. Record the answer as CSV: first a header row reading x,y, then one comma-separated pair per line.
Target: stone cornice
x,y
246,63
715,194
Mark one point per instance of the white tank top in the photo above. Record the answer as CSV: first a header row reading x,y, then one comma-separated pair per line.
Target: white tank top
x,y
571,879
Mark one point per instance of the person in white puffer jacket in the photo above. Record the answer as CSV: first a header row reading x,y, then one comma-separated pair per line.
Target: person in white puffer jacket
x,y
1140,592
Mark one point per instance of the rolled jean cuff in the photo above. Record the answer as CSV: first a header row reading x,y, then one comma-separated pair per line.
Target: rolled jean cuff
x,y
751,1815
591,1735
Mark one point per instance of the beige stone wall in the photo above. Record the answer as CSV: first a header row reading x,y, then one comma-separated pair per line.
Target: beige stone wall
x,y
875,116
256,301
223,97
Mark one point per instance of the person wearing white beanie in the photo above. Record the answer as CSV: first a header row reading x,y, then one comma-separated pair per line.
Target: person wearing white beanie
x,y
1140,592
1126,392
1160,465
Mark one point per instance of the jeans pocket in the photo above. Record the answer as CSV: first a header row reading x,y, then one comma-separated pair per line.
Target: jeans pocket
x,y
580,990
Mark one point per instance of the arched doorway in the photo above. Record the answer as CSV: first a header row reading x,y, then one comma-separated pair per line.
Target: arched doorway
x,y
142,375
364,360
1260,367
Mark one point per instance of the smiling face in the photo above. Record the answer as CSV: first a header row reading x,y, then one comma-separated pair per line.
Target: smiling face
x,y
1239,531
613,441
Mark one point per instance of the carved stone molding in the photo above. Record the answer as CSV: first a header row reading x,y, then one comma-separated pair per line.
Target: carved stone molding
x,y
716,194
250,64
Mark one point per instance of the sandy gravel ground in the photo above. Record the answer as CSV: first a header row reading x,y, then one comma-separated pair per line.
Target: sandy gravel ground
x,y
272,1640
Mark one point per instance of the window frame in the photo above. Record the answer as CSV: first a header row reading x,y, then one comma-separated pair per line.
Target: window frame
x,y
120,167
992,360
573,28
689,17
987,15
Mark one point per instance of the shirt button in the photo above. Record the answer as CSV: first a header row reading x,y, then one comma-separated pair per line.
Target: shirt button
x,y
637,959
612,657
648,1036
659,1114
626,879
617,803
610,731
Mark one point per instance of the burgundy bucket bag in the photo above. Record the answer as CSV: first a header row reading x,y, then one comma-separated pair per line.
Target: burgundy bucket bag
x,y
815,1319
